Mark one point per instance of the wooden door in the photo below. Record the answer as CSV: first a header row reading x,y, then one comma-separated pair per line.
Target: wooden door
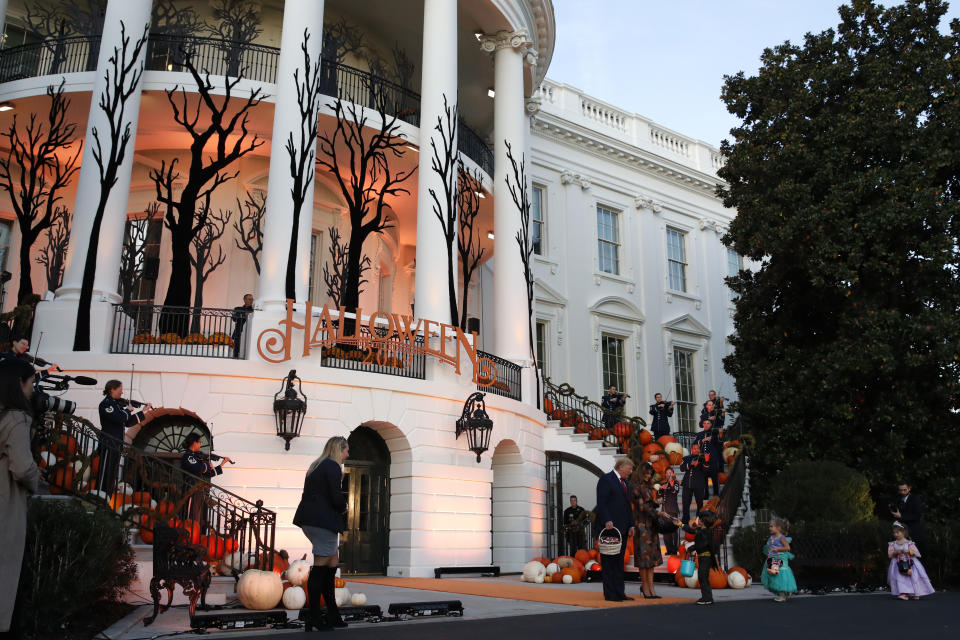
x,y
365,541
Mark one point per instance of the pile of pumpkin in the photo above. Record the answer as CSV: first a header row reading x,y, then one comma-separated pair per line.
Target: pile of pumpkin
x,y
734,578
263,590
562,570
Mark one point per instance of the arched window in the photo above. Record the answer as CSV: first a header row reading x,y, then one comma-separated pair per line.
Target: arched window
x,y
163,435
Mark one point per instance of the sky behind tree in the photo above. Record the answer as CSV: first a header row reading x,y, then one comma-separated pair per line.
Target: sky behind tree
x,y
666,60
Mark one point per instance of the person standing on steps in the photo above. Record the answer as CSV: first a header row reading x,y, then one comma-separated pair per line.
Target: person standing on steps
x,y
661,412
614,511
321,516
115,417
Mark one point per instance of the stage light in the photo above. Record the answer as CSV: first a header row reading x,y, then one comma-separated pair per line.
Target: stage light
x,y
6,106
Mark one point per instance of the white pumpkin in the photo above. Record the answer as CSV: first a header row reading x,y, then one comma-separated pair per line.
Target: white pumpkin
x,y
294,598
124,488
342,596
730,451
358,599
567,579
590,564
233,562
532,570
538,580
692,581
259,590
552,568
673,447
735,580
298,572
47,459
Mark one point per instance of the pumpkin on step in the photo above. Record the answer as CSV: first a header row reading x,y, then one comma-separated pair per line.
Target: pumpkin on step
x,y
298,571
582,556
533,570
645,437
294,598
259,590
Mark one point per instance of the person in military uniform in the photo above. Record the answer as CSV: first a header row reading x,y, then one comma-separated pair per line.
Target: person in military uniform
x,y
573,526
711,451
115,416
694,483
18,351
661,411
199,464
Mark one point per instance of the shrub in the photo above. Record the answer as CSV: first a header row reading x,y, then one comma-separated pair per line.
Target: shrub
x,y
73,560
821,490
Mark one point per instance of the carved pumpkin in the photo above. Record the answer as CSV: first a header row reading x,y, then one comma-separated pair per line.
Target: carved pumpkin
x,y
533,570
665,440
259,590
294,598
645,437
298,571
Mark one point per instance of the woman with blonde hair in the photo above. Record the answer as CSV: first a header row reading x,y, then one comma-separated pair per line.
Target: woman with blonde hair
x,y
321,516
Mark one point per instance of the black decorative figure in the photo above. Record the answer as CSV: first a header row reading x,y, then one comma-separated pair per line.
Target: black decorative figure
x,y
468,235
204,259
52,253
444,163
249,225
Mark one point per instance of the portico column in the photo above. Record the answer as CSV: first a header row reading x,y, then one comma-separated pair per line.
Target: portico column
x,y
134,16
438,81
511,330
298,15
3,14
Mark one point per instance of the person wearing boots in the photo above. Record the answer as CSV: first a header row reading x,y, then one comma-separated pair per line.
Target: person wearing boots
x,y
321,516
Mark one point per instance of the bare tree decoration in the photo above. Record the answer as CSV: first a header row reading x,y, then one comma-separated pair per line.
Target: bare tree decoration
x,y
125,68
39,164
52,253
340,39
468,235
224,129
334,270
204,259
249,225
55,21
303,154
444,163
238,25
358,153
520,193
178,22
133,253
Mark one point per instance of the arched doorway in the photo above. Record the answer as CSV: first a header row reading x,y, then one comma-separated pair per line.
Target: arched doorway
x,y
366,480
162,434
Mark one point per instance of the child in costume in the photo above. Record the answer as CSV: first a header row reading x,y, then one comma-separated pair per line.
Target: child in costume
x,y
705,545
777,575
906,575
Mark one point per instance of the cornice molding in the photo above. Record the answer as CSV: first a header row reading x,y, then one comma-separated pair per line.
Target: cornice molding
x,y
569,177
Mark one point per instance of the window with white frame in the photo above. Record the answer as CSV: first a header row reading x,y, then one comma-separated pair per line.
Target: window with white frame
x,y
537,221
676,259
5,228
611,356
316,292
734,265
608,237
542,339
685,390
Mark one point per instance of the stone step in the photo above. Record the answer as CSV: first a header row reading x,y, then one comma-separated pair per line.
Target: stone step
x,y
222,588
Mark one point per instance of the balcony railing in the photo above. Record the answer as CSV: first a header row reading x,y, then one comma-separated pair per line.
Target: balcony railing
x,y
507,383
222,57
179,331
392,355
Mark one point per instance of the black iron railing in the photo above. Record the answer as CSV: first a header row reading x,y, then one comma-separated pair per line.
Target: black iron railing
x,y
182,331
586,416
507,382
63,55
222,57
78,459
390,355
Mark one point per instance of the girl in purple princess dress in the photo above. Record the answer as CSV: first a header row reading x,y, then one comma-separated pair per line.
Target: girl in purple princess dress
x,y
906,575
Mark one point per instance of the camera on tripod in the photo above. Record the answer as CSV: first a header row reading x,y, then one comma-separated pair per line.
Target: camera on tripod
x,y
42,402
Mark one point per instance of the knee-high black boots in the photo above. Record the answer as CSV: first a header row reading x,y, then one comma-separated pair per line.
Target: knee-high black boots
x,y
330,597
315,618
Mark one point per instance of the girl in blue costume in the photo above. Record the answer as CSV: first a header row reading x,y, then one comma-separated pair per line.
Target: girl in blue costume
x,y
777,576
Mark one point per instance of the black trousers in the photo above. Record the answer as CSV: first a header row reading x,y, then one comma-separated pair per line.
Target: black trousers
x,y
109,452
612,569
698,491
671,539
575,541
703,575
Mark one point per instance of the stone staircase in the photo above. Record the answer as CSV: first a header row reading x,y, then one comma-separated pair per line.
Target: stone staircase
x,y
559,438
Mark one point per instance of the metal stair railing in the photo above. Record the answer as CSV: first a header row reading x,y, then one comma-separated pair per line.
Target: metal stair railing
x,y
586,416
150,490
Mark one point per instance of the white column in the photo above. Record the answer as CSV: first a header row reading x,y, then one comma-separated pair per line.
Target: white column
x,y
3,14
511,336
298,15
438,80
134,16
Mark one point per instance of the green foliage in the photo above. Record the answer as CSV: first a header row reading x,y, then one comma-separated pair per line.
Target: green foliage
x,y
821,490
845,174
941,553
73,560
747,543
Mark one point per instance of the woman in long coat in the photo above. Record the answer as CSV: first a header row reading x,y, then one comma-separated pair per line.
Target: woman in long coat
x,y
18,476
646,541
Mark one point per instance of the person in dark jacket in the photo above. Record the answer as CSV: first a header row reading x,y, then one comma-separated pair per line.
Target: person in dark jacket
x,y
694,482
711,453
612,404
909,511
240,317
199,464
708,552
115,417
661,411
321,516
668,494
614,511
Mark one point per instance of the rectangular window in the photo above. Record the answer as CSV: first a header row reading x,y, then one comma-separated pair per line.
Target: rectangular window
x,y
611,354
608,235
537,220
542,342
140,260
686,393
734,265
316,289
676,260
4,243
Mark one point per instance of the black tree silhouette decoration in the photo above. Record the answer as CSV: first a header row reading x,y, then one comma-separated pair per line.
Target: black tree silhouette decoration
x,y
443,162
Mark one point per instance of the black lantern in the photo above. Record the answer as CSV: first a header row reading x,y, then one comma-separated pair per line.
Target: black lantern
x,y
476,424
289,409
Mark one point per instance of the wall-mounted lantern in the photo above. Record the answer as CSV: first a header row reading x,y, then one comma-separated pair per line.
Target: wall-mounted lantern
x,y
289,408
476,424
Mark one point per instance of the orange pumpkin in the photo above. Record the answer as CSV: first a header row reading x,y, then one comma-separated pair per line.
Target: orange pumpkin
x,y
722,477
741,571
339,583
676,458
141,499
623,429
164,508
191,527
599,433
214,546
594,554
661,465
582,556
557,578
65,446
582,427
651,449
146,529
718,578
120,500
547,406
573,573
281,562
61,479
543,561
665,440
645,437
678,578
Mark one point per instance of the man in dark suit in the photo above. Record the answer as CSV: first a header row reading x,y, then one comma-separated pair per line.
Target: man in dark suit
x,y
694,484
711,453
613,510
909,511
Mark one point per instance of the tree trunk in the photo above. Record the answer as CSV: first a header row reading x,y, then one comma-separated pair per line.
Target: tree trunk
x,y
178,288
451,281
26,280
464,298
197,297
291,283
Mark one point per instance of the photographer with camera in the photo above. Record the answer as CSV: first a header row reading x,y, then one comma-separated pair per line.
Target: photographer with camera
x,y
19,476
612,403
115,416
18,351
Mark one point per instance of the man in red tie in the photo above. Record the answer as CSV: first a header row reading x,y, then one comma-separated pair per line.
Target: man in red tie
x,y
613,510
